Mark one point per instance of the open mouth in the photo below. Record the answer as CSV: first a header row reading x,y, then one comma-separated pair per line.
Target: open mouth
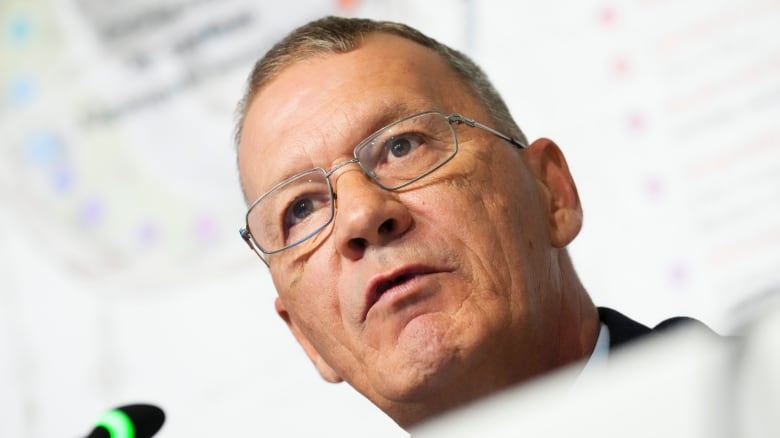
x,y
386,285
383,285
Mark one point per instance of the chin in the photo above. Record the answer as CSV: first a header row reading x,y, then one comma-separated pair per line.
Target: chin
x,y
431,367
415,395
423,366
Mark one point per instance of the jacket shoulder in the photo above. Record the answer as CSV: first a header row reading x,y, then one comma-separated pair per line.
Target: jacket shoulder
x,y
623,329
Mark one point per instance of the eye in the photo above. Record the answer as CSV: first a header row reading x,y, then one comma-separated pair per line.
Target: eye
x,y
297,212
304,214
301,208
401,145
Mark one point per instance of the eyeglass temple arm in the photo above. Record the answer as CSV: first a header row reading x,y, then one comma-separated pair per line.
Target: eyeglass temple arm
x,y
247,236
244,232
457,118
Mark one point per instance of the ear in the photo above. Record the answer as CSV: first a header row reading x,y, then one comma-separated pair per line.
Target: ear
x,y
559,193
325,370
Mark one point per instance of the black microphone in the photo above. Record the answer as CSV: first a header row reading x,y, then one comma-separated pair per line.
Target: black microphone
x,y
131,421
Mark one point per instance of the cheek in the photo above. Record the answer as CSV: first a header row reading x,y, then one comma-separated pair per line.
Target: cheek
x,y
491,210
488,207
459,217
309,296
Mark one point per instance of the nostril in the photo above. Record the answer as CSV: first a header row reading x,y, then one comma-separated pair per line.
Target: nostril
x,y
387,226
358,243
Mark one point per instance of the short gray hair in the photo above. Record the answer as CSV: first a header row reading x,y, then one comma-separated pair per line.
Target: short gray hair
x,y
340,35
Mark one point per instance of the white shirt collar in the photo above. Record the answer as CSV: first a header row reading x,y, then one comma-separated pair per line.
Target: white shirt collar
x,y
599,356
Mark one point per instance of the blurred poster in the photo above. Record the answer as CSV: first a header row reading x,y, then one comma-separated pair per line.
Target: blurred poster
x,y
117,153
668,113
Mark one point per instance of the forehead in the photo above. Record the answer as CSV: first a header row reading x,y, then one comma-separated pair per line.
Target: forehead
x,y
317,109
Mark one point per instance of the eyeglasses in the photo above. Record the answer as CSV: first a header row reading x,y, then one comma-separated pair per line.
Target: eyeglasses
x,y
395,156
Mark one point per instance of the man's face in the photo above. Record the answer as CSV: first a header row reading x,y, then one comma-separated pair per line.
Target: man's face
x,y
422,297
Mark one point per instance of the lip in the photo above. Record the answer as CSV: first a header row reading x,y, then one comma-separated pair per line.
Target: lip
x,y
382,283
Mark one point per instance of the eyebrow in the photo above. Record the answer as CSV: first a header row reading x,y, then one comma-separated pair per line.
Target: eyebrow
x,y
389,112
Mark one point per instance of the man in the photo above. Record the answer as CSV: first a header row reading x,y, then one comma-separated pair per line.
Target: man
x,y
416,240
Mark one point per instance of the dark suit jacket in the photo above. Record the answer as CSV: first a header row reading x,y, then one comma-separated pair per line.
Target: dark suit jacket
x,y
623,329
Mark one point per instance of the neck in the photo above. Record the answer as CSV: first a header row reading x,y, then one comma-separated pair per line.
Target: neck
x,y
578,323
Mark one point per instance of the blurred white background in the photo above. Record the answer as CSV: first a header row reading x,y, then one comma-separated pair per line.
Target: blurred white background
x,y
122,276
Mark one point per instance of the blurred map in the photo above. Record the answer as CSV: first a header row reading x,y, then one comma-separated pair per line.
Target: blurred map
x,y
116,120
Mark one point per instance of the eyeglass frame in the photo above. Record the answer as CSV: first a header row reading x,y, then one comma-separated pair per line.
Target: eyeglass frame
x,y
453,119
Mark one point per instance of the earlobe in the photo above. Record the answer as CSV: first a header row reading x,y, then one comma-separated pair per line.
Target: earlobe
x,y
325,370
559,191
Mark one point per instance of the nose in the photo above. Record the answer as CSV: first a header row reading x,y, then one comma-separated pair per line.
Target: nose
x,y
366,215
